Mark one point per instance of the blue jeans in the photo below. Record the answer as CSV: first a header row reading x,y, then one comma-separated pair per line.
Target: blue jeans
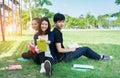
x,y
86,51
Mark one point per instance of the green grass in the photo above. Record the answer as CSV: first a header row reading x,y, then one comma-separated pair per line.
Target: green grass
x,y
102,41
3,47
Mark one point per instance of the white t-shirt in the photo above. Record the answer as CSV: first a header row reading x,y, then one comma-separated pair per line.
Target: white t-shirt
x,y
48,53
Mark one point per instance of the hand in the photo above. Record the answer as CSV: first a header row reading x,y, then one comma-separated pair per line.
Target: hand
x,y
42,39
38,50
48,42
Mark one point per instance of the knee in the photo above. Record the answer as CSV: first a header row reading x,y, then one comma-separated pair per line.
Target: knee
x,y
87,48
27,55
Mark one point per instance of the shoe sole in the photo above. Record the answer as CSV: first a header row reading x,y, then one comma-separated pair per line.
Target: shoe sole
x,y
107,58
48,68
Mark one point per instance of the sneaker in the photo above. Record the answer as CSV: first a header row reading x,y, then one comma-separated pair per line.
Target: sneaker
x,y
42,70
47,68
107,57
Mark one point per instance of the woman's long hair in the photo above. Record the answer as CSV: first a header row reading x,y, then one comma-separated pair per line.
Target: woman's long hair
x,y
40,32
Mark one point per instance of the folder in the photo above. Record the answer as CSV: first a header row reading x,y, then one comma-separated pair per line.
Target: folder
x,y
42,45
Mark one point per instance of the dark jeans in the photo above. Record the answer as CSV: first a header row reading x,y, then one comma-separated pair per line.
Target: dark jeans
x,y
86,51
40,58
27,55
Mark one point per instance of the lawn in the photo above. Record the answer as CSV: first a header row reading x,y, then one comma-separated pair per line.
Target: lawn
x,y
102,41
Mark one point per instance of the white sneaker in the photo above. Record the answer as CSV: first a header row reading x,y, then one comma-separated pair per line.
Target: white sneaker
x,y
107,57
111,57
42,70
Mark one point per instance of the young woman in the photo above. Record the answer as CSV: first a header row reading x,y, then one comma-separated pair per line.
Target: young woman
x,y
31,46
49,57
35,24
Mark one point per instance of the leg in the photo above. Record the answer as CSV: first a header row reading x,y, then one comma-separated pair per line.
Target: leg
x,y
91,54
51,60
39,58
86,51
48,65
27,54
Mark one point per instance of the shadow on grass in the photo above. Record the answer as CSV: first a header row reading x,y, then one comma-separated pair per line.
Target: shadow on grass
x,y
103,69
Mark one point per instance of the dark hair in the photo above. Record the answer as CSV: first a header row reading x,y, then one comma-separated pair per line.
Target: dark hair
x,y
40,32
58,17
37,19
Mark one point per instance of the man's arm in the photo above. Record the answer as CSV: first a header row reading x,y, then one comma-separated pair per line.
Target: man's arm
x,y
63,50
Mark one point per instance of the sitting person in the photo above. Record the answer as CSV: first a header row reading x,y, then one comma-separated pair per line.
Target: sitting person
x,y
31,46
65,54
45,58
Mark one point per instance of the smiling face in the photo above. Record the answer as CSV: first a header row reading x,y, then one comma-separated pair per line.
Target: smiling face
x,y
35,24
59,24
44,25
59,20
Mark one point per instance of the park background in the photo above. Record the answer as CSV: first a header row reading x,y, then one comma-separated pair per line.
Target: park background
x,y
98,31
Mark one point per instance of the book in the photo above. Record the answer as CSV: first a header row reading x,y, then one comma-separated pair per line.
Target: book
x,y
31,47
83,66
74,45
79,69
14,67
42,45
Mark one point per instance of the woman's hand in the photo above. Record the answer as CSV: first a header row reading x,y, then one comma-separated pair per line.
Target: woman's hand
x,y
38,50
48,42
42,39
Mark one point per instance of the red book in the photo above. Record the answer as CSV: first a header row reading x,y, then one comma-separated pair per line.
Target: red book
x,y
14,67
31,47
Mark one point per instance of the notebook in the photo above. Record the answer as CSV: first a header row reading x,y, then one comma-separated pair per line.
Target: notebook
x,y
74,45
42,45
83,66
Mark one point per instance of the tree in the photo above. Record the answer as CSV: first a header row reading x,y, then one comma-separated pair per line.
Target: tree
x,y
90,21
35,8
36,4
25,18
117,2
82,22
2,19
116,22
40,3
103,21
68,22
20,15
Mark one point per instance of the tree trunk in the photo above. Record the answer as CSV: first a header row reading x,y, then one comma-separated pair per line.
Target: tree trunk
x,y
30,12
20,11
2,19
13,18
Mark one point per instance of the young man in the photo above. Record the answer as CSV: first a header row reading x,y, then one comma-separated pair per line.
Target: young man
x,y
64,54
